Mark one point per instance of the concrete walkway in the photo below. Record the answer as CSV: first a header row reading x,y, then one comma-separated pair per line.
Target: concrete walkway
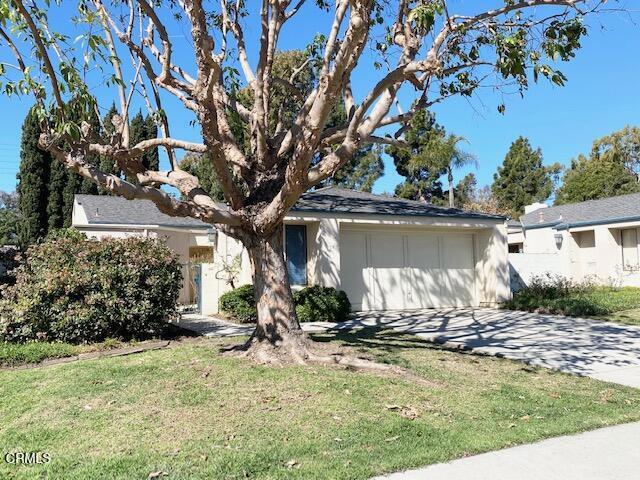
x,y
605,454
601,350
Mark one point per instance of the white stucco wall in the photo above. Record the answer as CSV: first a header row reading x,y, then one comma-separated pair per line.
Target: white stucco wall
x,y
589,252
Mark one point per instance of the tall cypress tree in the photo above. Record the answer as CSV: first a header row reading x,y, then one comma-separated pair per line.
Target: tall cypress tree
x,y
55,200
33,179
140,129
151,158
523,179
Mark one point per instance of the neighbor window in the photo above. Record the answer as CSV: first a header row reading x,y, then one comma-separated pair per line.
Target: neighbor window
x,y
629,248
516,247
295,249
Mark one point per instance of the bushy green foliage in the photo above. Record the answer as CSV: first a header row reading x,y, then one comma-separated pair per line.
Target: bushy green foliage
x,y
556,294
523,179
240,304
321,304
313,304
610,169
77,290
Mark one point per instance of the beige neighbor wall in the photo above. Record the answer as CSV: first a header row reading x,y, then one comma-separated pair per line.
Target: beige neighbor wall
x,y
591,252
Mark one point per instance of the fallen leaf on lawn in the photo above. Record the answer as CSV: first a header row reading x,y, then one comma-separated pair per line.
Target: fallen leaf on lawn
x,y
157,474
410,413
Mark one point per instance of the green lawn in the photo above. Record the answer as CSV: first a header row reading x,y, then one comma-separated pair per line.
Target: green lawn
x,y
193,414
627,317
597,302
12,354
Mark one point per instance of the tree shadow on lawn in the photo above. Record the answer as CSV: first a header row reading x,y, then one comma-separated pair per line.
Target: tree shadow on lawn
x,y
384,344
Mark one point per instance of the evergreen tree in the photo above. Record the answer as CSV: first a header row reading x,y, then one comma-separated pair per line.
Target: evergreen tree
x,y
56,195
33,179
523,179
362,171
199,165
151,158
8,218
422,175
141,128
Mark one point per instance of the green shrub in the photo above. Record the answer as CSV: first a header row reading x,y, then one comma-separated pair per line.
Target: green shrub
x,y
556,294
76,290
313,304
321,304
240,304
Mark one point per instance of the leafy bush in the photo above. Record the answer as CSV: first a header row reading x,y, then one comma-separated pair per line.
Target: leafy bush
x,y
77,290
556,294
9,260
313,304
321,304
240,304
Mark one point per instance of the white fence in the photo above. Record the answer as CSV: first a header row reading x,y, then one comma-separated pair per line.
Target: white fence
x,y
523,266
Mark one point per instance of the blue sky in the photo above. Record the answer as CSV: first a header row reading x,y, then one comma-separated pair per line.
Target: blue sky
x,y
601,96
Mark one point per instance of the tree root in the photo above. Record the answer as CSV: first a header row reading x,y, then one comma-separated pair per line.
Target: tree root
x,y
300,350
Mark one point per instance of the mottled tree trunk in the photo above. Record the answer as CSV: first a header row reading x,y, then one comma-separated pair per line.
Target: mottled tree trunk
x,y
277,320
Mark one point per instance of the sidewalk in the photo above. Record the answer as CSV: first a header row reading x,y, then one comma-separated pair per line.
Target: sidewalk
x,y
610,453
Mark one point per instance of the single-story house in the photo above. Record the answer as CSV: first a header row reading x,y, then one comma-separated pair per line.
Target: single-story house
x,y
596,239
384,252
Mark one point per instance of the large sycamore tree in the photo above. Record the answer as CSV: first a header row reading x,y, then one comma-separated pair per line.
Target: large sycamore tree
x,y
403,56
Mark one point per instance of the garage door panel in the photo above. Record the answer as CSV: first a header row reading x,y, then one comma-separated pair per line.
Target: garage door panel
x,y
387,260
423,260
353,263
459,275
424,288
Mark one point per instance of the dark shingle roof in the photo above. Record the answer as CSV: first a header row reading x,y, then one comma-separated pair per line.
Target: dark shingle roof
x,y
102,209
604,210
341,200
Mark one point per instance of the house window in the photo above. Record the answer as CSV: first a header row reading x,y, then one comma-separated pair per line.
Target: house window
x,y
629,249
295,250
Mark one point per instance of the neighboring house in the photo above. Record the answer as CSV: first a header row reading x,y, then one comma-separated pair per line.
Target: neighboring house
x,y
384,252
597,239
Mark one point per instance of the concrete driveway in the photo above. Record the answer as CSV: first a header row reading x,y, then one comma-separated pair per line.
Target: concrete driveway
x,y
601,350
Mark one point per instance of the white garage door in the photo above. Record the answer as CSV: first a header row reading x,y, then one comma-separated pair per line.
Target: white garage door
x,y
394,270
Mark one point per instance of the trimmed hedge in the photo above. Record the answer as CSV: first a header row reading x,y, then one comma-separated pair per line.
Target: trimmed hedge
x,y
76,290
321,304
313,304
240,304
558,295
